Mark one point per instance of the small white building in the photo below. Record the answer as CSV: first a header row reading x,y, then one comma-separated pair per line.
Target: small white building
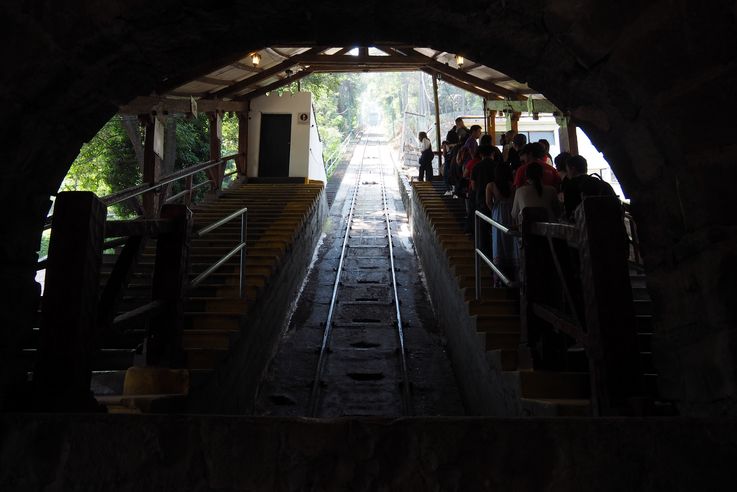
x,y
283,140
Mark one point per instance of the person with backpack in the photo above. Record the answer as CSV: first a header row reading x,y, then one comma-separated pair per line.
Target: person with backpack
x,y
579,184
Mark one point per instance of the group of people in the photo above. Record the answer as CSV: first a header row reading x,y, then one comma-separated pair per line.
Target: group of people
x,y
503,183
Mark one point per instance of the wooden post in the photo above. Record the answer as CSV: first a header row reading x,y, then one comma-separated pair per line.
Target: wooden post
x,y
515,122
491,125
610,320
118,280
188,183
567,135
169,158
243,145
151,164
170,281
68,335
485,111
216,173
437,121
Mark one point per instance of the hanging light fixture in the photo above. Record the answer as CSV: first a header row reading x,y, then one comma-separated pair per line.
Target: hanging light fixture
x,y
459,60
255,59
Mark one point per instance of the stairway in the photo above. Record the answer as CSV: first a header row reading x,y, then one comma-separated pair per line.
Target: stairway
x,y
497,320
213,312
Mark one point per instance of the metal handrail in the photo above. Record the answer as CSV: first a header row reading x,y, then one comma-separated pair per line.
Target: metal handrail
x,y
330,166
239,248
133,191
480,255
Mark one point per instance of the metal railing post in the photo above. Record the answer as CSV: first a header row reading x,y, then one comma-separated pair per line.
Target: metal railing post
x,y
242,281
476,256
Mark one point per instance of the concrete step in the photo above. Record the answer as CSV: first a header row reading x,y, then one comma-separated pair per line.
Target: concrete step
x,y
134,404
194,320
557,385
210,338
556,407
497,340
493,307
503,359
204,358
218,304
490,294
498,323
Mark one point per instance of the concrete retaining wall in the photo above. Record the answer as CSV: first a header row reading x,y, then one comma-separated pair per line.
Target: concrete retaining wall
x,y
483,390
232,389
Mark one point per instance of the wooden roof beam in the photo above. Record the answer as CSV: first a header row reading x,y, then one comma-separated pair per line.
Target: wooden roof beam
x,y
273,86
266,73
529,106
163,105
470,79
358,61
342,51
458,84
246,68
372,69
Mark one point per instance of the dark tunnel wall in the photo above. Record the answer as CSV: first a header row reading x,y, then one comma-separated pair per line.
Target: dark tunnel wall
x,y
651,83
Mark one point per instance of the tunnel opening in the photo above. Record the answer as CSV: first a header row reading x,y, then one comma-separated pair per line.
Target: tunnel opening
x,y
612,98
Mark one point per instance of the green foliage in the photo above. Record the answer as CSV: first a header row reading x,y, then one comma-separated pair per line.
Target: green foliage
x,y
105,164
230,134
336,100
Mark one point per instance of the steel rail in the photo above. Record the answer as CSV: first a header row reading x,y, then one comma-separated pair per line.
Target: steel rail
x,y
408,410
315,391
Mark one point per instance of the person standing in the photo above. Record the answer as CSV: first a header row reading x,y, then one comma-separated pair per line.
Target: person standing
x,y
461,130
512,156
452,141
426,157
472,143
499,198
535,193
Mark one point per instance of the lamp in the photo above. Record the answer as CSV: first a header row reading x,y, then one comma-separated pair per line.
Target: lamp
x,y
255,59
459,60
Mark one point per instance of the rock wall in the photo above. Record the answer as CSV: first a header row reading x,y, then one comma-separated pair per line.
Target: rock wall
x,y
165,453
651,83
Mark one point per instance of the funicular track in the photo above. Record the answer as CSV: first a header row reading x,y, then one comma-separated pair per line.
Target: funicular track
x,y
362,368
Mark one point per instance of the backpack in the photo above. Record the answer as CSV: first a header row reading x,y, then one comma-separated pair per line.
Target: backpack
x,y
594,185
451,137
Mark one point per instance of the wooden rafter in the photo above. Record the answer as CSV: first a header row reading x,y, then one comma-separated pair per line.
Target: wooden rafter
x,y
214,81
246,68
395,58
266,73
273,86
342,51
469,67
472,80
163,105
363,61
276,53
459,84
